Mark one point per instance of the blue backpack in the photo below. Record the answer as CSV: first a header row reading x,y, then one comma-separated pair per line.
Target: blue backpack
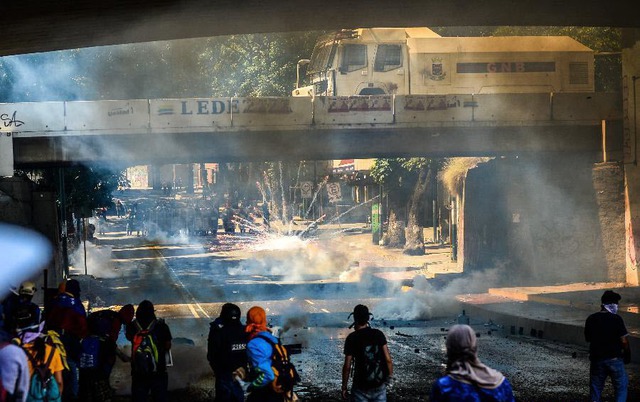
x,y
90,352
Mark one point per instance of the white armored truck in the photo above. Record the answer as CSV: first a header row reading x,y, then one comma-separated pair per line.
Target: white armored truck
x,y
403,61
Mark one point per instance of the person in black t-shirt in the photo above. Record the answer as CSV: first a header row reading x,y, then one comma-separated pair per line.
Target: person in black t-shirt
x,y
227,352
156,382
366,349
608,348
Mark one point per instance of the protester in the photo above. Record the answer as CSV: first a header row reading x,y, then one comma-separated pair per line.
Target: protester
x,y
467,379
266,215
150,338
119,208
215,217
609,348
99,351
259,352
41,355
14,367
226,353
19,309
366,349
68,318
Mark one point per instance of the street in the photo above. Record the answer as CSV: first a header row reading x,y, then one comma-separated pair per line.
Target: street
x,y
308,288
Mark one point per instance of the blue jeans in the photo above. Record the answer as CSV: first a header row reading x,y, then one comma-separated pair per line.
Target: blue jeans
x,y
228,390
71,380
600,370
378,394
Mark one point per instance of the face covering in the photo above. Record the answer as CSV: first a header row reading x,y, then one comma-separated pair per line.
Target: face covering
x,y
612,308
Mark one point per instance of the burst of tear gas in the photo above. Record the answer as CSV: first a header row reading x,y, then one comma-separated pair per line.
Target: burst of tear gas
x,y
98,261
424,301
293,259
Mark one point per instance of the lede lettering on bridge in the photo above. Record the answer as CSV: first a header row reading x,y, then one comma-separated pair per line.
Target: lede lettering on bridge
x,y
272,128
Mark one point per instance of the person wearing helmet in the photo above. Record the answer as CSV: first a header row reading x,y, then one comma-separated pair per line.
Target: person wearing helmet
x,y
226,353
20,309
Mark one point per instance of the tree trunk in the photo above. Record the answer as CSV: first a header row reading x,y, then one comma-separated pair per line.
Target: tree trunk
x,y
414,233
394,237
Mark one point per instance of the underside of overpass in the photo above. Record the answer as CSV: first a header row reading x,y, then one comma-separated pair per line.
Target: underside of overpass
x,y
127,150
43,25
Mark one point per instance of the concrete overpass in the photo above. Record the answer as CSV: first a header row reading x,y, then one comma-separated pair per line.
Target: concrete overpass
x,y
43,25
158,131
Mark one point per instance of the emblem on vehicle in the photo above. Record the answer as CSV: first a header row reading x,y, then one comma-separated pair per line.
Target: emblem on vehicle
x,y
437,71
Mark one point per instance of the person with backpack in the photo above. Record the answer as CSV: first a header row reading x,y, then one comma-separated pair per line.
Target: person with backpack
x,y
150,339
45,364
226,352
14,368
272,376
467,379
99,351
367,352
66,316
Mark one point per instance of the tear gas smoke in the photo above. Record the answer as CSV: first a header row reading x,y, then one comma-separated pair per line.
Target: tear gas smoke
x,y
294,259
98,261
424,301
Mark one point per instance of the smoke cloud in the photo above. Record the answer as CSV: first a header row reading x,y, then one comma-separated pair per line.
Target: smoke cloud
x,y
425,301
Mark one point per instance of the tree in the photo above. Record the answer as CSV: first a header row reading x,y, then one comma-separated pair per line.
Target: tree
x,y
257,64
86,188
406,182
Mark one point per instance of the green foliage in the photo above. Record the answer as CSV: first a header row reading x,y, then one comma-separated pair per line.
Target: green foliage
x,y
400,175
255,65
398,172
86,187
240,65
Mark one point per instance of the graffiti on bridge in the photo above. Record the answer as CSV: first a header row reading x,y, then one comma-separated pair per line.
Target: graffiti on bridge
x,y
10,120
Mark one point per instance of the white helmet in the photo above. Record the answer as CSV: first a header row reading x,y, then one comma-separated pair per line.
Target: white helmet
x,y
27,288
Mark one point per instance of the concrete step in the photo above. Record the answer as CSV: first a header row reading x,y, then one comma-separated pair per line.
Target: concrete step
x,y
555,313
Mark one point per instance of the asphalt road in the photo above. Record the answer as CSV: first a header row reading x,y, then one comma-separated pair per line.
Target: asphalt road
x,y
308,289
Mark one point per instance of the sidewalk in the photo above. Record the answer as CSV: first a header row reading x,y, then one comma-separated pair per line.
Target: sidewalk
x,y
554,313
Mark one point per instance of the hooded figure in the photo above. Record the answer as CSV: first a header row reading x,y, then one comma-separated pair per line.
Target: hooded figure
x,y
367,357
156,382
227,353
259,352
467,378
145,313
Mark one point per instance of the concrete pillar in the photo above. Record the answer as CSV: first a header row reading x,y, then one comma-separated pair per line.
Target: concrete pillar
x,y
631,113
6,154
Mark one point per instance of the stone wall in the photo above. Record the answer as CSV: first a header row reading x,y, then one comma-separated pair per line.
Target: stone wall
x,y
631,112
546,220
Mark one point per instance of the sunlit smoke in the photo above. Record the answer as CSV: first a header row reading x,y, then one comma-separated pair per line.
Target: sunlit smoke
x,y
98,260
293,259
425,301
